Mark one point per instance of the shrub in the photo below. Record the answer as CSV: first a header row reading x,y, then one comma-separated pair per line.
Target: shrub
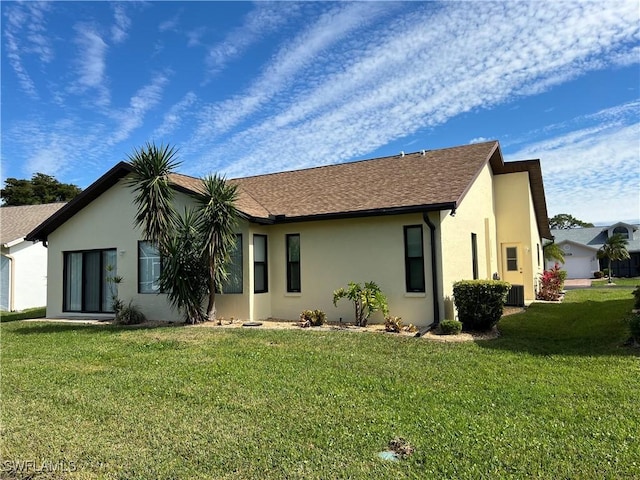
x,y
480,303
37,312
129,315
605,272
312,318
392,324
636,294
366,299
598,274
634,327
450,327
551,283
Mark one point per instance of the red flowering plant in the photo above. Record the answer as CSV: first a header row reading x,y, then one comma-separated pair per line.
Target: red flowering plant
x,y
551,283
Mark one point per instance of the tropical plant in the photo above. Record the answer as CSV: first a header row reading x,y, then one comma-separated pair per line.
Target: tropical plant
x,y
155,214
615,248
552,251
312,318
184,272
217,229
195,246
551,283
129,315
392,324
366,299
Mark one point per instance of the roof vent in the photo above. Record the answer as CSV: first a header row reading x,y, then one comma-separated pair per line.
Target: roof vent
x,y
402,153
424,152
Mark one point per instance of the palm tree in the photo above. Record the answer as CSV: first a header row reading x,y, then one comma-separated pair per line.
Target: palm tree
x,y
552,251
217,231
184,274
615,248
156,214
194,247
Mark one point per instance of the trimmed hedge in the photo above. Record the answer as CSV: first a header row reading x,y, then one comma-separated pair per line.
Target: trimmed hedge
x,y
480,303
450,327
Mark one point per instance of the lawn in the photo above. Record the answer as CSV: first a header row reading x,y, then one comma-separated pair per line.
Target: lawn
x,y
555,397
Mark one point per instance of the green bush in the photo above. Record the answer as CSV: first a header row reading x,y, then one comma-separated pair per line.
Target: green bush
x,y
598,274
129,315
636,294
312,318
38,312
634,326
366,300
450,327
480,303
605,272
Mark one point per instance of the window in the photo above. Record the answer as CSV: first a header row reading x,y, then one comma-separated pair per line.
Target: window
x,y
260,274
234,280
149,266
293,263
87,284
624,231
512,259
474,255
414,258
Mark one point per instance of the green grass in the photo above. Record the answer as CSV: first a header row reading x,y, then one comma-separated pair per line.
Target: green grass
x,y
555,397
619,282
38,312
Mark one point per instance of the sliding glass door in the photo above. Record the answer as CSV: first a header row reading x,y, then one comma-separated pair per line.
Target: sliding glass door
x,y
87,285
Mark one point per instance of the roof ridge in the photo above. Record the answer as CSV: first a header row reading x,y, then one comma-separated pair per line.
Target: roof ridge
x,y
362,160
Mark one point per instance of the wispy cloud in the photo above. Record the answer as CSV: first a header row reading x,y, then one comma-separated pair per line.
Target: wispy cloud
x,y
25,34
417,72
264,19
296,57
119,30
170,24
133,116
91,63
173,118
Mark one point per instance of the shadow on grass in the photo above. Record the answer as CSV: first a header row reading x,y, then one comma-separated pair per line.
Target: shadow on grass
x,y
588,328
31,328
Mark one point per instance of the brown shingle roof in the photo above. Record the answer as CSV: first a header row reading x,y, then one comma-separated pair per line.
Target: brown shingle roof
x,y
421,181
16,222
437,177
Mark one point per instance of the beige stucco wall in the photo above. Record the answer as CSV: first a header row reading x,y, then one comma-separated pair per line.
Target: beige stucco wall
x,y
332,253
475,214
108,223
516,223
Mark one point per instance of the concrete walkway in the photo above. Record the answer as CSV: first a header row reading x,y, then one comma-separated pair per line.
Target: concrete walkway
x,y
574,283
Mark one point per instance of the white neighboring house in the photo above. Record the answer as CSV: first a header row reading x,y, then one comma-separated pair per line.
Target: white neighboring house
x,y
581,245
23,264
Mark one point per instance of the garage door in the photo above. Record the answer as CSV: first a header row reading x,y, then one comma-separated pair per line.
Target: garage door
x,y
577,267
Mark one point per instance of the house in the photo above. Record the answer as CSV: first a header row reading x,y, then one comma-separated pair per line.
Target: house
x,y
413,223
581,245
23,264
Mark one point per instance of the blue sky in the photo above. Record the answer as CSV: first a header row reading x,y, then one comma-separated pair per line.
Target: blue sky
x,y
246,88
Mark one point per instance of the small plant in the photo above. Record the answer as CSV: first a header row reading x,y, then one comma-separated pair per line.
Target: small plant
x,y
636,294
605,272
598,274
392,324
450,327
551,283
129,315
312,318
366,299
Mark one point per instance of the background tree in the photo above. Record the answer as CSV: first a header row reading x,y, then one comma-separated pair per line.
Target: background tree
x,y
615,248
40,189
564,221
194,246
